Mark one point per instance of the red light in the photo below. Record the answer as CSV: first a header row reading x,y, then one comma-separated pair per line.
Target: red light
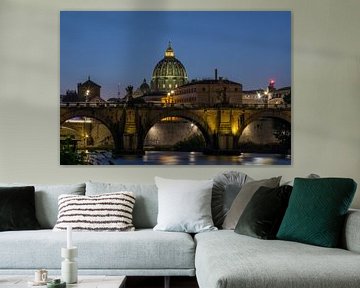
x,y
272,81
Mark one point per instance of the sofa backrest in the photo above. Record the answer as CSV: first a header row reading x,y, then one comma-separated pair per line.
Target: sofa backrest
x,y
146,203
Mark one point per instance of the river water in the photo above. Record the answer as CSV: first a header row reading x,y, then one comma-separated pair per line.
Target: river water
x,y
187,158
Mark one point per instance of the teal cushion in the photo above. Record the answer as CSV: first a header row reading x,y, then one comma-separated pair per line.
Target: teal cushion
x,y
316,211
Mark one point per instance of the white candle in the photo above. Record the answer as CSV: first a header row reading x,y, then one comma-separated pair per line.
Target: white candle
x,y
69,239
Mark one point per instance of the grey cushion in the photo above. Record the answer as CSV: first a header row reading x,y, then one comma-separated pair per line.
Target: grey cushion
x,y
226,187
146,204
243,198
144,249
184,205
225,259
46,200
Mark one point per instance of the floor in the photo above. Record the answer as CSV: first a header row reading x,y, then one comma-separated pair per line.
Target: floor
x,y
158,282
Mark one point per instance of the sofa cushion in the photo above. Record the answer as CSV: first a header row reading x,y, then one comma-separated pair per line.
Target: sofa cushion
x,y
17,208
184,205
146,205
138,250
317,209
105,212
226,187
46,200
243,198
263,215
225,259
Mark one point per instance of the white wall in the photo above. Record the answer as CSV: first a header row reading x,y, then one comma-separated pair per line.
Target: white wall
x,y
326,86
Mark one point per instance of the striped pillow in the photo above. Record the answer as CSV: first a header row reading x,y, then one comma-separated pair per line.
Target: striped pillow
x,y
105,212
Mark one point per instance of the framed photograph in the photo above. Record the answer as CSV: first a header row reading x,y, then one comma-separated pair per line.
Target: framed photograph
x,y
175,88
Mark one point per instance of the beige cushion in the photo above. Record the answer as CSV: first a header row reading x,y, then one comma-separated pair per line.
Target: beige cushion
x,y
243,198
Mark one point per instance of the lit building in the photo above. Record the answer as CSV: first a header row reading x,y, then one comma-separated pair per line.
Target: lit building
x,y
270,95
90,91
206,92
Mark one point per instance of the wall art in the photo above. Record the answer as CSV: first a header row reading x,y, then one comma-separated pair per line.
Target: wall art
x,y
175,87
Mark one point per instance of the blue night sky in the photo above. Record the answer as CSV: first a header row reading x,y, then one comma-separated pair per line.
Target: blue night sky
x,y
123,47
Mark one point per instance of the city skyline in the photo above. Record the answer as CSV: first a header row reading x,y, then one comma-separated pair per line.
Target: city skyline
x,y
121,48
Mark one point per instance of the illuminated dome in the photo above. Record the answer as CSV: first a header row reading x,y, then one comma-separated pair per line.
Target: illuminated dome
x,y
169,73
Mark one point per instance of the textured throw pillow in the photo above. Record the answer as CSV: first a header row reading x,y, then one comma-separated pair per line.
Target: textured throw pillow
x,y
146,205
17,208
184,205
106,212
263,215
316,211
243,198
226,187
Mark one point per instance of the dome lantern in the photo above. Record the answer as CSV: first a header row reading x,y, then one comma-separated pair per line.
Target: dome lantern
x,y
169,51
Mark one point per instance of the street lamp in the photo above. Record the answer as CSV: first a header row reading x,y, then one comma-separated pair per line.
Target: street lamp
x,y
87,93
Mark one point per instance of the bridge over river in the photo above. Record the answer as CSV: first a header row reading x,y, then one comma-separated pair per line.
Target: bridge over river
x,y
221,126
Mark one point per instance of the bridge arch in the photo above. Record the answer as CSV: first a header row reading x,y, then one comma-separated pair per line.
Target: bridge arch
x,y
73,113
282,115
187,115
261,130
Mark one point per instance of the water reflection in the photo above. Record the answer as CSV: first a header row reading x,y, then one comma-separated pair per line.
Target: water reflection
x,y
189,158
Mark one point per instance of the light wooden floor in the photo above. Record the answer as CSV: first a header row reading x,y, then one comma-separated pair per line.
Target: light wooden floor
x,y
158,282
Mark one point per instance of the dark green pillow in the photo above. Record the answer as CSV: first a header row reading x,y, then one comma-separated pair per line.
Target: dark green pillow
x,y
264,212
17,208
316,211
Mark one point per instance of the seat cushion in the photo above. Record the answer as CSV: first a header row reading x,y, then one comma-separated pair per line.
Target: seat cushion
x,y
225,259
144,249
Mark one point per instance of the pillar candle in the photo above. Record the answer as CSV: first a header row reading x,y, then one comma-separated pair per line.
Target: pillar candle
x,y
69,237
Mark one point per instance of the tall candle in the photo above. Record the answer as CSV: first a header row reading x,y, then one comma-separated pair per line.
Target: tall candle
x,y
69,237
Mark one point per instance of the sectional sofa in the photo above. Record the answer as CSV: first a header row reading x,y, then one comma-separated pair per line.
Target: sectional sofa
x,y
218,259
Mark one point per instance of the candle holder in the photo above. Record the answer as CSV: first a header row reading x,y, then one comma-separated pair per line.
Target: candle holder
x,y
69,271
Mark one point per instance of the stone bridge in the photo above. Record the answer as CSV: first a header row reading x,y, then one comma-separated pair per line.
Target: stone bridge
x,y
129,125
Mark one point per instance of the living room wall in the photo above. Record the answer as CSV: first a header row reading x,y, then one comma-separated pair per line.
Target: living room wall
x,y
325,89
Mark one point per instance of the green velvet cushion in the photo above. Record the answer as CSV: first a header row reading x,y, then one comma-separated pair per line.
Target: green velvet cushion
x,y
17,208
264,213
316,211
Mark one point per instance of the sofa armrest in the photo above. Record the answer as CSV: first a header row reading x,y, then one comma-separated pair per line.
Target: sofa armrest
x,y
351,234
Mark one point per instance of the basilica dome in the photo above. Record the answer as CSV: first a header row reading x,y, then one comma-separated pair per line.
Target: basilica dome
x,y
169,73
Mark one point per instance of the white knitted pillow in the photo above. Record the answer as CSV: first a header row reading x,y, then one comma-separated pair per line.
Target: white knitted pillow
x,y
105,212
